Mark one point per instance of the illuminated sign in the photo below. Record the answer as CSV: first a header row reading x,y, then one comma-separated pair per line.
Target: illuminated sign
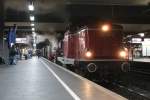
x,y
21,40
136,40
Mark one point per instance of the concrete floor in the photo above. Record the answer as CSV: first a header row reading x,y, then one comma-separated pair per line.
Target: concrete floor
x,y
142,60
38,79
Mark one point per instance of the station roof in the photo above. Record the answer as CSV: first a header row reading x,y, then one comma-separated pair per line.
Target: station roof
x,y
56,15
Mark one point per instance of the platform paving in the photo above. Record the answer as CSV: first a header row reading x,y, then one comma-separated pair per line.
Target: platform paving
x,y
30,80
39,79
142,60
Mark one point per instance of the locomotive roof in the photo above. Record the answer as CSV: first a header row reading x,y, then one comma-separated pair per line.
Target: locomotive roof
x,y
93,27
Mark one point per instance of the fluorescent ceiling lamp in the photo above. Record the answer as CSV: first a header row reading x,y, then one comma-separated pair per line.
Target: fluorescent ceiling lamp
x,y
34,35
34,45
142,34
32,24
31,7
32,18
33,29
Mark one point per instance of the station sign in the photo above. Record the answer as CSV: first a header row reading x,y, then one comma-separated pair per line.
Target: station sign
x,y
21,40
136,40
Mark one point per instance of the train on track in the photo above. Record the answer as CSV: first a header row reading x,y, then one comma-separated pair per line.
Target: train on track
x,y
95,50
100,52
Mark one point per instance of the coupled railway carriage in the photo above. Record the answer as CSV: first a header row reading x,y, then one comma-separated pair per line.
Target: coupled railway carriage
x,y
96,50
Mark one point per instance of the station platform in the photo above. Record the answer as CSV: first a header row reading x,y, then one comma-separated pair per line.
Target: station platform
x,y
142,60
40,79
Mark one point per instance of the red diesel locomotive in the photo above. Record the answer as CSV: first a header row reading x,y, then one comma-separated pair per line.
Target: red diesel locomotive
x,y
96,50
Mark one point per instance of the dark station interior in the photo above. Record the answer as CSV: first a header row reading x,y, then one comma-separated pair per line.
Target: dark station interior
x,y
74,49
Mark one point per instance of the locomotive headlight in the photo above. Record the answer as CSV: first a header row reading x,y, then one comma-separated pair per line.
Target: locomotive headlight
x,y
105,28
123,54
88,54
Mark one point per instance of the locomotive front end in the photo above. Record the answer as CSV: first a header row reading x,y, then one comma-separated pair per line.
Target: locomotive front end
x,y
101,52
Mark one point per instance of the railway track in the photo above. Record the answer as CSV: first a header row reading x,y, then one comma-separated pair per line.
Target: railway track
x,y
135,88
131,92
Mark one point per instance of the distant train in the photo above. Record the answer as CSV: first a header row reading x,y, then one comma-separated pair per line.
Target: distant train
x,y
97,50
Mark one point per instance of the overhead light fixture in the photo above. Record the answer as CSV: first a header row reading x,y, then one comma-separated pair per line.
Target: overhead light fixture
x,y
33,29
32,24
34,45
142,34
34,34
32,18
31,7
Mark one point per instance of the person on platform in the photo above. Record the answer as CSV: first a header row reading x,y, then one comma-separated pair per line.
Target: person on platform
x,y
39,53
26,54
12,55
